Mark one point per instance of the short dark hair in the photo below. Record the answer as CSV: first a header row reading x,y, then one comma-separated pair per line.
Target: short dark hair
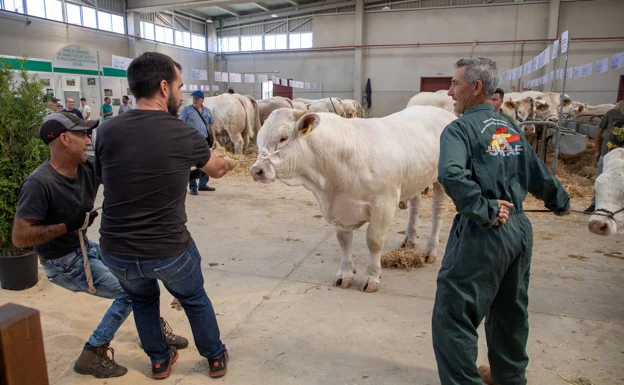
x,y
107,97
230,91
125,97
147,71
500,92
81,99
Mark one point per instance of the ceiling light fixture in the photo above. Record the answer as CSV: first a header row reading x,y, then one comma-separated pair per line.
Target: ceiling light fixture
x,y
386,8
274,15
209,21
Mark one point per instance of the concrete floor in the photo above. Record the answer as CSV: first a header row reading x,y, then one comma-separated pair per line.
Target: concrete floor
x,y
284,323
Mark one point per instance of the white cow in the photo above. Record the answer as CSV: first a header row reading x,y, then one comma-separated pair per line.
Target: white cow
x,y
266,106
359,170
609,190
436,99
352,109
234,117
590,114
333,105
521,109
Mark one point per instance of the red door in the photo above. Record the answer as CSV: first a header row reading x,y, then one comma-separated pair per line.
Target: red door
x,y
433,84
285,91
620,95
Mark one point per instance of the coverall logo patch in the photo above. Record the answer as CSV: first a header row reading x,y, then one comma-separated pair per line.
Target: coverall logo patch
x,y
501,143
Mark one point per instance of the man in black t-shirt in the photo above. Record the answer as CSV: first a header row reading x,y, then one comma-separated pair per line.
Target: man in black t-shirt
x,y
70,107
53,203
144,237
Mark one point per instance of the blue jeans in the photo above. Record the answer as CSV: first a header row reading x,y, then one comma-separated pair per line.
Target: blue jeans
x,y
68,272
183,278
600,167
203,182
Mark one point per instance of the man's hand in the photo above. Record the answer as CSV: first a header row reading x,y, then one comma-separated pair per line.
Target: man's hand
x,y
597,156
231,163
503,211
214,146
564,213
78,221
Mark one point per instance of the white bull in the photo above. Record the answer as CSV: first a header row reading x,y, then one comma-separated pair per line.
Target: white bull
x,y
359,170
590,114
436,99
266,106
233,116
609,190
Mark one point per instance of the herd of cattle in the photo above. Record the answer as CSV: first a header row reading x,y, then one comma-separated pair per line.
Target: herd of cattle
x,y
240,117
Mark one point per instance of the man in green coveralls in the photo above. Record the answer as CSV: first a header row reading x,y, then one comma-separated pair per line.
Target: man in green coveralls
x,y
487,167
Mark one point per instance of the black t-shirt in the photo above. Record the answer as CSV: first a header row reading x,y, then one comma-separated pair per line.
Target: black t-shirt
x,y
75,112
52,198
144,159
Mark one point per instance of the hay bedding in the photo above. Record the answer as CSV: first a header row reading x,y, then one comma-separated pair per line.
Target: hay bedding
x,y
242,170
406,258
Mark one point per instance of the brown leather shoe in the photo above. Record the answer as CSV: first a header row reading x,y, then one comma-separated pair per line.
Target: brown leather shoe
x,y
486,375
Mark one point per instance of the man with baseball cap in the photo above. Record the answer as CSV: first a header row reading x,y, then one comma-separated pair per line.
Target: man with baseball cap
x,y
200,118
51,103
54,202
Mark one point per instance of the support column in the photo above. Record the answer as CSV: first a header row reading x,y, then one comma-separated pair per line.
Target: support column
x,y
134,30
553,19
357,68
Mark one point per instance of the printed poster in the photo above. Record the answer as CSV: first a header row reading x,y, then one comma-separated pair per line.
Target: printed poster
x,y
218,76
203,74
224,77
215,88
263,78
578,72
235,78
249,78
555,49
195,74
602,65
564,41
569,73
536,63
527,68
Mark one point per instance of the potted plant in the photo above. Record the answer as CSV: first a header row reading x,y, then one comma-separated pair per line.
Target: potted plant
x,y
21,151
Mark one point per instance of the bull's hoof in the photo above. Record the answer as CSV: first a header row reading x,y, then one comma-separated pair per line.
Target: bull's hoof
x,y
430,258
402,205
369,286
407,244
175,304
343,283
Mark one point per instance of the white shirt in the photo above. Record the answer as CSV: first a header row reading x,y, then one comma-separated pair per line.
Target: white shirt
x,y
85,110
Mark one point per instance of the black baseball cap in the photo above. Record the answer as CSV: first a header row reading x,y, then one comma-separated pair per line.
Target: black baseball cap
x,y
59,122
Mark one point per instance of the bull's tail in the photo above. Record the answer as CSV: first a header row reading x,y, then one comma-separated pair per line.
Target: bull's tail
x,y
256,116
248,116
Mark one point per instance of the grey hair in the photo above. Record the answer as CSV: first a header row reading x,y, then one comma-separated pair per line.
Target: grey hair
x,y
480,68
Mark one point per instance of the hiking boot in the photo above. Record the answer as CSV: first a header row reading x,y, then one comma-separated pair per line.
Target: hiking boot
x,y
94,360
162,371
207,188
486,375
176,341
590,209
218,366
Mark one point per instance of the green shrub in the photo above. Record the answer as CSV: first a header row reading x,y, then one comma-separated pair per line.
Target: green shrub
x,y
21,151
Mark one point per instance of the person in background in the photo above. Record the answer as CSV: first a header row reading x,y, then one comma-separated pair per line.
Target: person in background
x,y
125,107
106,111
216,94
70,107
59,107
612,122
230,91
497,102
487,170
85,110
53,204
200,118
51,103
143,232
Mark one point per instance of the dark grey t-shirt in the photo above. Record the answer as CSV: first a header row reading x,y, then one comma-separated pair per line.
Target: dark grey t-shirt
x,y
144,159
52,198
611,118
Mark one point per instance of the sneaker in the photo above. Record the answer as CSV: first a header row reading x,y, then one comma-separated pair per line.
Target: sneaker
x,y
486,375
176,341
218,366
94,360
207,188
162,371
590,209
193,192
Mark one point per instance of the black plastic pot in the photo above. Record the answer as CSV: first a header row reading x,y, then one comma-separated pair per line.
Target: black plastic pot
x,y
19,272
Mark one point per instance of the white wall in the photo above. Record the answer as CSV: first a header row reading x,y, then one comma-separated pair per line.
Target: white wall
x,y
43,38
395,73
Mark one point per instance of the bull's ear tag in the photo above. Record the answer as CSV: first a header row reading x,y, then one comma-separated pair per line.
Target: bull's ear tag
x,y
307,124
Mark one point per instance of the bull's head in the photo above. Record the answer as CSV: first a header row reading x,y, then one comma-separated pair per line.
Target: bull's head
x,y
276,139
609,190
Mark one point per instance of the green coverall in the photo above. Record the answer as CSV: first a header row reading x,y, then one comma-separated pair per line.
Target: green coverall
x,y
485,270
